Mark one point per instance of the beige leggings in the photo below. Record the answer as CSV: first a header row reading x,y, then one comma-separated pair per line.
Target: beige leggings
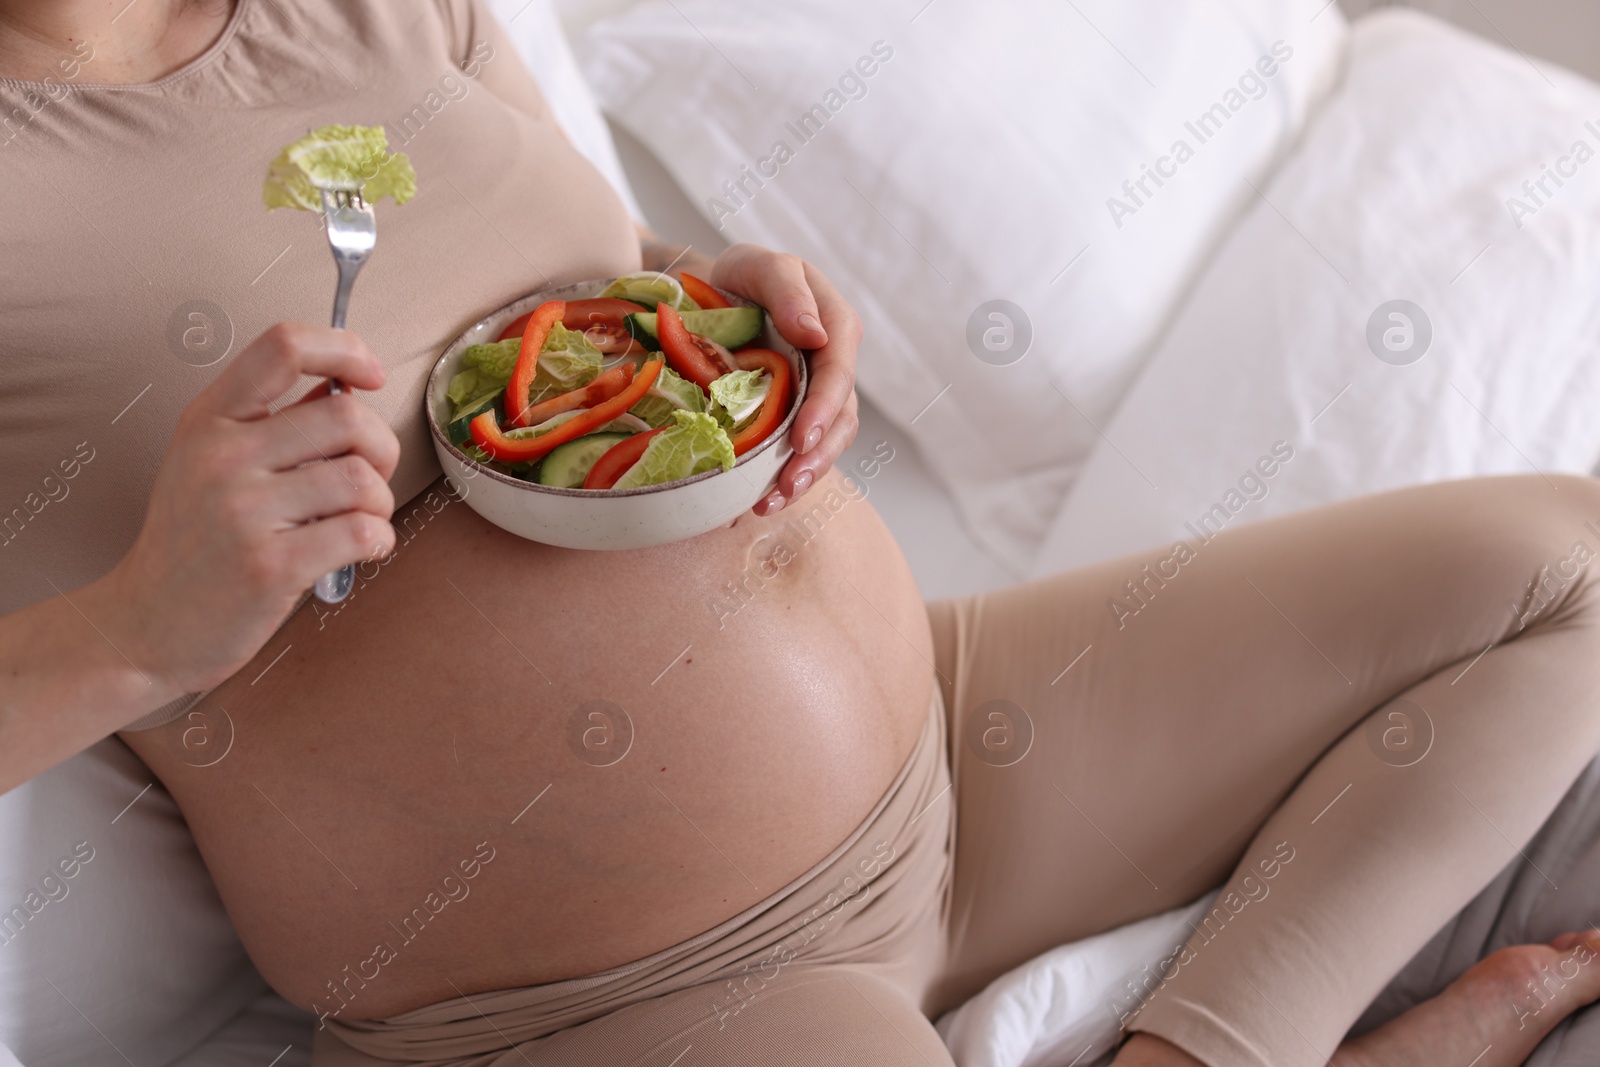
x,y
1353,717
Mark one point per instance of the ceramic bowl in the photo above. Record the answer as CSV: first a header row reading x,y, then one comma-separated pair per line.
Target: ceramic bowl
x,y
605,518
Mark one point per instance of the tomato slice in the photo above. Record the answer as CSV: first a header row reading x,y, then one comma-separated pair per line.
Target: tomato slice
x,y
775,406
715,354
703,293
612,338
601,389
614,463
678,345
487,435
581,315
600,320
534,333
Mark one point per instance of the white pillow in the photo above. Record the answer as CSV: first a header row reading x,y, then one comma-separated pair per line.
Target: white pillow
x,y
1069,1002
1402,190
579,15
118,921
976,162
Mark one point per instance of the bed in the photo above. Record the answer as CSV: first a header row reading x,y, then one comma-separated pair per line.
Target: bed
x,y
1154,338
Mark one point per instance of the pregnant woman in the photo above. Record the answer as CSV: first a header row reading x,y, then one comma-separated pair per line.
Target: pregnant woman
x,y
805,826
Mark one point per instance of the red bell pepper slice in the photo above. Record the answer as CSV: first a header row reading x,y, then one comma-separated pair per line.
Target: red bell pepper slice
x,y
776,404
605,311
679,346
543,318
703,293
602,388
487,435
616,460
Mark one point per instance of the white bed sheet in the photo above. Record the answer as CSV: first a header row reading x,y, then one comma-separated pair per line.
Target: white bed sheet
x,y
268,1033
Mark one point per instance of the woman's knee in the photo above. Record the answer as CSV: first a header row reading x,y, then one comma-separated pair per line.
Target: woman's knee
x,y
1562,502
1548,529
1522,548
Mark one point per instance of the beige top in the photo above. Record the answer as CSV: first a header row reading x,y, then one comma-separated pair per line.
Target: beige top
x,y
137,256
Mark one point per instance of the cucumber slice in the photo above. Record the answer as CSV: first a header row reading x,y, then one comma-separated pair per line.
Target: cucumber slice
x,y
636,330
729,327
458,431
568,465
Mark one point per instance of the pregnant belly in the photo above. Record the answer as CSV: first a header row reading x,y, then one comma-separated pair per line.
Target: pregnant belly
x,y
502,764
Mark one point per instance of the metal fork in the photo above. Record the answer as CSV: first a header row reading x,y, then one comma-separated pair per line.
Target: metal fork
x,y
352,232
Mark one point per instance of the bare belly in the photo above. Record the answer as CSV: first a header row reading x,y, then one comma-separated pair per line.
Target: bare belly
x,y
503,764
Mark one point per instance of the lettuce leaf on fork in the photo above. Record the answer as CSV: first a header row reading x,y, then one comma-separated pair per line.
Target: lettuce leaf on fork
x,y
356,158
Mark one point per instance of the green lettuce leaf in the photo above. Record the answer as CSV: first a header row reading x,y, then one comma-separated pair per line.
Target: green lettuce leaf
x,y
338,157
650,288
740,393
485,370
495,359
561,339
670,392
567,361
696,443
470,390
467,387
464,386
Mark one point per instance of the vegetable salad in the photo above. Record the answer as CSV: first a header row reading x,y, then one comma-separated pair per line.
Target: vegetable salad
x,y
648,383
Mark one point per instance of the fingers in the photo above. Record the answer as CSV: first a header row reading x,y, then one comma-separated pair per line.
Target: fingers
x,y
1589,938
778,283
319,490
833,366
316,548
274,362
322,429
809,312
792,290
316,392
804,471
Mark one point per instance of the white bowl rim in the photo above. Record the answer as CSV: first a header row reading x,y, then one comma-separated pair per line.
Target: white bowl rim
x,y
533,300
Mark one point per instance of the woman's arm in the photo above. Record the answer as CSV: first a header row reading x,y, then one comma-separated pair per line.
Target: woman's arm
x,y
65,681
249,506
810,314
658,255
